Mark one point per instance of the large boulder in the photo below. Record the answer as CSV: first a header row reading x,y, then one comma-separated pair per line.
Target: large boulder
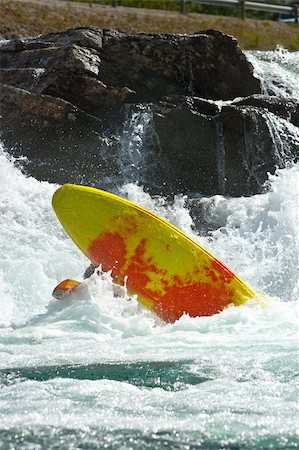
x,y
103,107
207,64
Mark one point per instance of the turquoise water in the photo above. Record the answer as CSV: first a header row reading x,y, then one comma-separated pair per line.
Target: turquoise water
x,y
103,372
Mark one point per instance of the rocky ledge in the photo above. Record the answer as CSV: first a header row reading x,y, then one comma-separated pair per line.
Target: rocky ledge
x,y
176,113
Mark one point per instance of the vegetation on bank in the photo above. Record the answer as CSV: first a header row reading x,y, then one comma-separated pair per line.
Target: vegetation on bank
x,y
19,18
189,7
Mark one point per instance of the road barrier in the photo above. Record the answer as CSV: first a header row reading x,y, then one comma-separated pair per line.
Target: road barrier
x,y
244,5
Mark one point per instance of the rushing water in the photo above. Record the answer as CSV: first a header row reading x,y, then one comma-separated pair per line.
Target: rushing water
x,y
278,71
103,372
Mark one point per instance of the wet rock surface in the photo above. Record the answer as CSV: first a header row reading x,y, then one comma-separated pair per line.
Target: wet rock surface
x,y
154,109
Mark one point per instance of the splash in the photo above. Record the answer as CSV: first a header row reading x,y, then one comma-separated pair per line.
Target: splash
x,y
137,142
278,71
105,372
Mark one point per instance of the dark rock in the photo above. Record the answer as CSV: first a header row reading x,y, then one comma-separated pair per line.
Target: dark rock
x,y
208,64
188,149
103,107
287,108
228,153
54,134
195,104
35,108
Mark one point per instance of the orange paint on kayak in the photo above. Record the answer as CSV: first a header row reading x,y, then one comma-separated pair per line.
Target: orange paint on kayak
x,y
109,250
138,269
176,295
199,299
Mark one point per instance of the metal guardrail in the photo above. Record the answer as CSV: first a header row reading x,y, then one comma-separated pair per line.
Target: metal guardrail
x,y
244,5
253,5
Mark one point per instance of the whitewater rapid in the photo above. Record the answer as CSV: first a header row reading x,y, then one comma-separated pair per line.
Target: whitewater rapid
x,y
104,372
246,355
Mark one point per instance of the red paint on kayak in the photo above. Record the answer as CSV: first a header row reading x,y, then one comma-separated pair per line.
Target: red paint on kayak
x,y
109,250
198,299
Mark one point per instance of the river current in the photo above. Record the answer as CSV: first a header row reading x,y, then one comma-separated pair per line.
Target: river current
x,y
103,372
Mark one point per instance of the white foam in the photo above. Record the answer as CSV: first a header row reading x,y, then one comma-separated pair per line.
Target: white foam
x,y
278,71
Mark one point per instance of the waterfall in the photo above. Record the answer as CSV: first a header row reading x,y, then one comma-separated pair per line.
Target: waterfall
x,y
285,137
278,71
138,150
220,154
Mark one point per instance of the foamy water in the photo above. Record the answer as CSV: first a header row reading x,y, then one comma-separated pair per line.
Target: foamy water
x,y
278,71
226,379
103,372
